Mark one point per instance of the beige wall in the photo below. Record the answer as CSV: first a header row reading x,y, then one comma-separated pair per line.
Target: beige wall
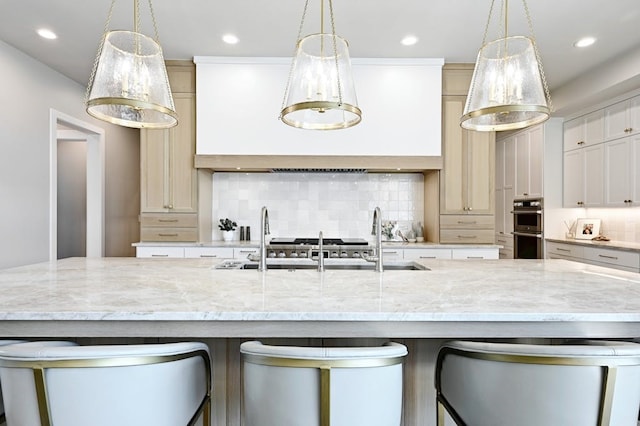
x,y
29,91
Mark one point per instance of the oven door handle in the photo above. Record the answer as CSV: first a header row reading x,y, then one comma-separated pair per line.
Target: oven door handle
x,y
526,234
526,211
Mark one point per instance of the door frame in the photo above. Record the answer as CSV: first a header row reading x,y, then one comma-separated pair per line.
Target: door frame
x,y
95,137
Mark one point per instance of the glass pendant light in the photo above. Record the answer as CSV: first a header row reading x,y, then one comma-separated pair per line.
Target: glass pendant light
x,y
129,84
320,93
508,89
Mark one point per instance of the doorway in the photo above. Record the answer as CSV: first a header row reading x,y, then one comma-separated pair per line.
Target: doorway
x,y
77,227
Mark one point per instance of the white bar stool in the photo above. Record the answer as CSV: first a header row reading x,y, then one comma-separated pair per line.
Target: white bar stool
x,y
151,384
291,386
488,384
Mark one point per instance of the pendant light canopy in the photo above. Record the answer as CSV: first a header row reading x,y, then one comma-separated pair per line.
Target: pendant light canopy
x,y
320,93
129,84
508,90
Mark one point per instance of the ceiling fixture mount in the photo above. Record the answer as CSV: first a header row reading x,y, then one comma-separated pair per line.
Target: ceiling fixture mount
x,y
230,39
48,34
129,85
508,90
320,93
409,40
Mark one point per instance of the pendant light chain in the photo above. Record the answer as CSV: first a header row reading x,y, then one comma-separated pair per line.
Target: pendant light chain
x,y
538,58
97,59
293,62
155,24
335,52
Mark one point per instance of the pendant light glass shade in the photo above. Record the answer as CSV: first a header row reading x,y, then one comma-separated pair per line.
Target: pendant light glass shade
x,y
129,85
321,94
508,89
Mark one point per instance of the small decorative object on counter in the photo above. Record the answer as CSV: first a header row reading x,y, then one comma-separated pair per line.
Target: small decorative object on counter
x,y
242,233
227,226
388,229
417,229
248,234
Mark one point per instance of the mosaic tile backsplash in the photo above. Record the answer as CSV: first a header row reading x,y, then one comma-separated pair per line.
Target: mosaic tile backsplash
x,y
302,204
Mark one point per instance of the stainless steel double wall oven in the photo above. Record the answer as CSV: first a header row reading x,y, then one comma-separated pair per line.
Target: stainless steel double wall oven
x,y
528,232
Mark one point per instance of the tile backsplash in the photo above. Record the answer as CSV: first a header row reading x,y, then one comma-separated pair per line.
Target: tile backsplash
x,y
302,204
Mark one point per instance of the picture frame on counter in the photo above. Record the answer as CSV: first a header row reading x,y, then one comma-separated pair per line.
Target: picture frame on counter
x,y
587,229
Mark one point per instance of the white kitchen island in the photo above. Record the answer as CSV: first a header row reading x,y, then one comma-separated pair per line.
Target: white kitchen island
x,y
125,299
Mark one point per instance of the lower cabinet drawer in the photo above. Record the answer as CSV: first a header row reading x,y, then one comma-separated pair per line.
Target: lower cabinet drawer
x,y
417,254
169,220
615,258
169,234
559,250
467,236
159,252
460,221
476,253
210,252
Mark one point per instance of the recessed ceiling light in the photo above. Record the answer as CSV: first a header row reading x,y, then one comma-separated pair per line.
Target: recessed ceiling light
x,y
584,42
48,34
409,40
230,39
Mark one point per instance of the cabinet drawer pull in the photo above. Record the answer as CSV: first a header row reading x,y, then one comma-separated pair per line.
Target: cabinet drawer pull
x,y
167,220
427,257
159,255
467,236
168,235
462,222
475,257
248,251
502,241
563,249
608,257
208,255
389,252
580,142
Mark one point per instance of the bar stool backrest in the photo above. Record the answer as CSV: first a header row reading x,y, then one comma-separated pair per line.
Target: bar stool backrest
x,y
155,384
291,386
489,384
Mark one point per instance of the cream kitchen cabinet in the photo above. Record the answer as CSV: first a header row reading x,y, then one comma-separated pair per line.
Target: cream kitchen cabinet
x,y
169,180
467,179
584,177
622,119
622,172
529,146
609,257
175,197
585,130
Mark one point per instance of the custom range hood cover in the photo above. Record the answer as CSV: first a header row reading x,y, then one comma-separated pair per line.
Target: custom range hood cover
x,y
238,101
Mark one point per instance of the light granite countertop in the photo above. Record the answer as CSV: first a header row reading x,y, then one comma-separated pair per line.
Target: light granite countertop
x,y
188,297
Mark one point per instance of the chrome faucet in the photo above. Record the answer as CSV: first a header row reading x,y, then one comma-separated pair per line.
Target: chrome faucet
x,y
264,230
377,231
320,253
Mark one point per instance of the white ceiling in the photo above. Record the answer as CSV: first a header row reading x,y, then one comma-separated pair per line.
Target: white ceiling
x,y
450,29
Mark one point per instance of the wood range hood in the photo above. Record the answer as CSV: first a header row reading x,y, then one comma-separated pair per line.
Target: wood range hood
x,y
346,163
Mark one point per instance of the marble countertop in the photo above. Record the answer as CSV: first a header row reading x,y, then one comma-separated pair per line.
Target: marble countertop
x,y
455,298
616,245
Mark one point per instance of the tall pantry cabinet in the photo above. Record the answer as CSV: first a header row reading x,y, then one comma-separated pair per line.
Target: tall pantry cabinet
x,y
467,179
173,192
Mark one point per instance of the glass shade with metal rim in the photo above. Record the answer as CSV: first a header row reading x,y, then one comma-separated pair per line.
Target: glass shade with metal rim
x,y
508,89
129,85
320,94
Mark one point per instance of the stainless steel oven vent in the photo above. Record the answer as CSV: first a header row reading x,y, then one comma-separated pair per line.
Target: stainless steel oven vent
x,y
323,170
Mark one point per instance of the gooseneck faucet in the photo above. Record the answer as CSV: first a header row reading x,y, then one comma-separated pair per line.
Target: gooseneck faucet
x,y
320,253
264,230
377,231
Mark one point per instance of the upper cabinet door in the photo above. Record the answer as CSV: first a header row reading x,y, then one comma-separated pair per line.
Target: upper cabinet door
x,y
622,119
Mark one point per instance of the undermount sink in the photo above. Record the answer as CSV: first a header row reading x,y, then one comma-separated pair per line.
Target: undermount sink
x,y
337,265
